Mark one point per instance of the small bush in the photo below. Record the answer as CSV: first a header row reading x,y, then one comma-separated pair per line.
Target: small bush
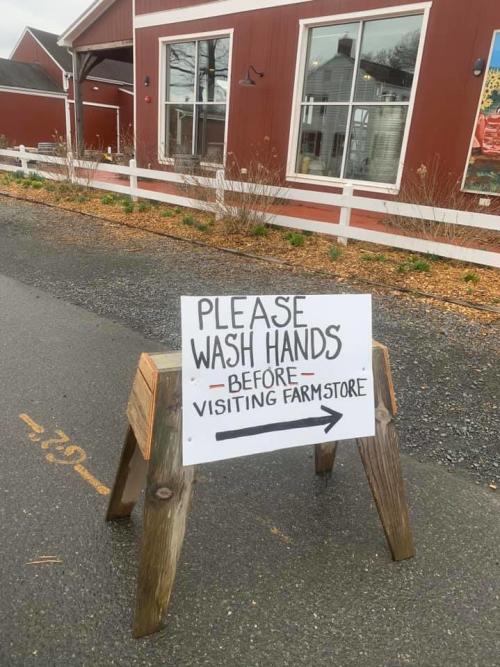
x,y
374,257
33,176
296,239
202,227
19,174
128,207
36,185
471,277
188,220
420,265
108,200
82,199
414,264
259,230
26,184
177,210
335,253
144,207
167,213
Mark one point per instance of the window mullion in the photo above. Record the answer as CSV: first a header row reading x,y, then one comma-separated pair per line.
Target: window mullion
x,y
165,131
195,99
351,99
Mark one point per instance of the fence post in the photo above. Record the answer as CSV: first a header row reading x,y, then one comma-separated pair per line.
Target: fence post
x,y
23,158
133,179
345,213
70,159
219,194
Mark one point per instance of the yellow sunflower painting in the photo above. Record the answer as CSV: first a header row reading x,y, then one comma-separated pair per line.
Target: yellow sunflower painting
x,y
483,167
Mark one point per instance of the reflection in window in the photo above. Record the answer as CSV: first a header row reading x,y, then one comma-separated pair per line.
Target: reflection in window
x,y
375,143
211,127
350,67
179,128
213,67
322,138
330,63
180,77
196,98
386,66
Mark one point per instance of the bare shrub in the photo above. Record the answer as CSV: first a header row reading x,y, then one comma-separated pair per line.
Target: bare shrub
x,y
251,193
432,186
74,176
127,146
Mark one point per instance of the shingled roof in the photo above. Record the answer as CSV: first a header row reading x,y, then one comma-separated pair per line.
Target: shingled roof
x,y
49,42
24,75
113,70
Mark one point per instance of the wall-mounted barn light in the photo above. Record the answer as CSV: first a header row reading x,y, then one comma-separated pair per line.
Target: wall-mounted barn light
x,y
248,81
479,65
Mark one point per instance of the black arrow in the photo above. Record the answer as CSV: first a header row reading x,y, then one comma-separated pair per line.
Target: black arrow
x,y
329,420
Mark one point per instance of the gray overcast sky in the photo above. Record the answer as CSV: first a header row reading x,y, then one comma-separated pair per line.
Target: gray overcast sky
x,y
51,15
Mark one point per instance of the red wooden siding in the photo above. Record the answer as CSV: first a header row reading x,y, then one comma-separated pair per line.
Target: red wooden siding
x,y
126,102
146,6
115,25
29,51
447,96
100,127
29,119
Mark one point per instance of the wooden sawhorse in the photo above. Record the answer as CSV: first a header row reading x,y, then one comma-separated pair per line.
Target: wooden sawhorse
x,y
152,459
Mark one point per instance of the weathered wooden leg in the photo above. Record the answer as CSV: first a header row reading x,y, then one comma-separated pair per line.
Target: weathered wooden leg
x,y
324,457
168,494
380,456
129,480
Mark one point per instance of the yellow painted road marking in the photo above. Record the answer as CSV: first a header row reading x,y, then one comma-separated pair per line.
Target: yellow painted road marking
x,y
61,440
67,454
32,424
88,477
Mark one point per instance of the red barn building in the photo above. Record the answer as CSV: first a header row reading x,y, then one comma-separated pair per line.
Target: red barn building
x,y
359,92
37,102
23,89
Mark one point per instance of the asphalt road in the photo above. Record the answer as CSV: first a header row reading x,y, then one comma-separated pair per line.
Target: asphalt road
x,y
278,567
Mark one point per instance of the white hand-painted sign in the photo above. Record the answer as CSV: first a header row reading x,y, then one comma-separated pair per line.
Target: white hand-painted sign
x,y
262,373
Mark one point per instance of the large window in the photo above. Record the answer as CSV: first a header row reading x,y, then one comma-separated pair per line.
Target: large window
x,y
355,96
196,92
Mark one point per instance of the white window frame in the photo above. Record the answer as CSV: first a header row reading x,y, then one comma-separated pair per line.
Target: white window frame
x,y
305,25
163,158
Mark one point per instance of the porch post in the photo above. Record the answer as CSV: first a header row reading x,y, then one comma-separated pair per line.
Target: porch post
x,y
77,96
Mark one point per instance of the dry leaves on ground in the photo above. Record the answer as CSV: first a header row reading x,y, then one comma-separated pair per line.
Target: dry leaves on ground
x,y
378,266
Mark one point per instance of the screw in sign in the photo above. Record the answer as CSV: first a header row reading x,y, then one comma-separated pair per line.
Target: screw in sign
x,y
262,373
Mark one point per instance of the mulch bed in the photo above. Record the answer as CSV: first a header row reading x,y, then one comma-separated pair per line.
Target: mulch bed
x,y
471,290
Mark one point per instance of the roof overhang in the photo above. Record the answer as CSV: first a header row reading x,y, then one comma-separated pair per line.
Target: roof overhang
x,y
32,91
94,12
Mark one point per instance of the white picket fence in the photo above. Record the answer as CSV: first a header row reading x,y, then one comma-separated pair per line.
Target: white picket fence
x,y
30,162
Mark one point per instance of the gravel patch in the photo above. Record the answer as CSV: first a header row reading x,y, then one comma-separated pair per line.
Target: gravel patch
x,y
445,366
